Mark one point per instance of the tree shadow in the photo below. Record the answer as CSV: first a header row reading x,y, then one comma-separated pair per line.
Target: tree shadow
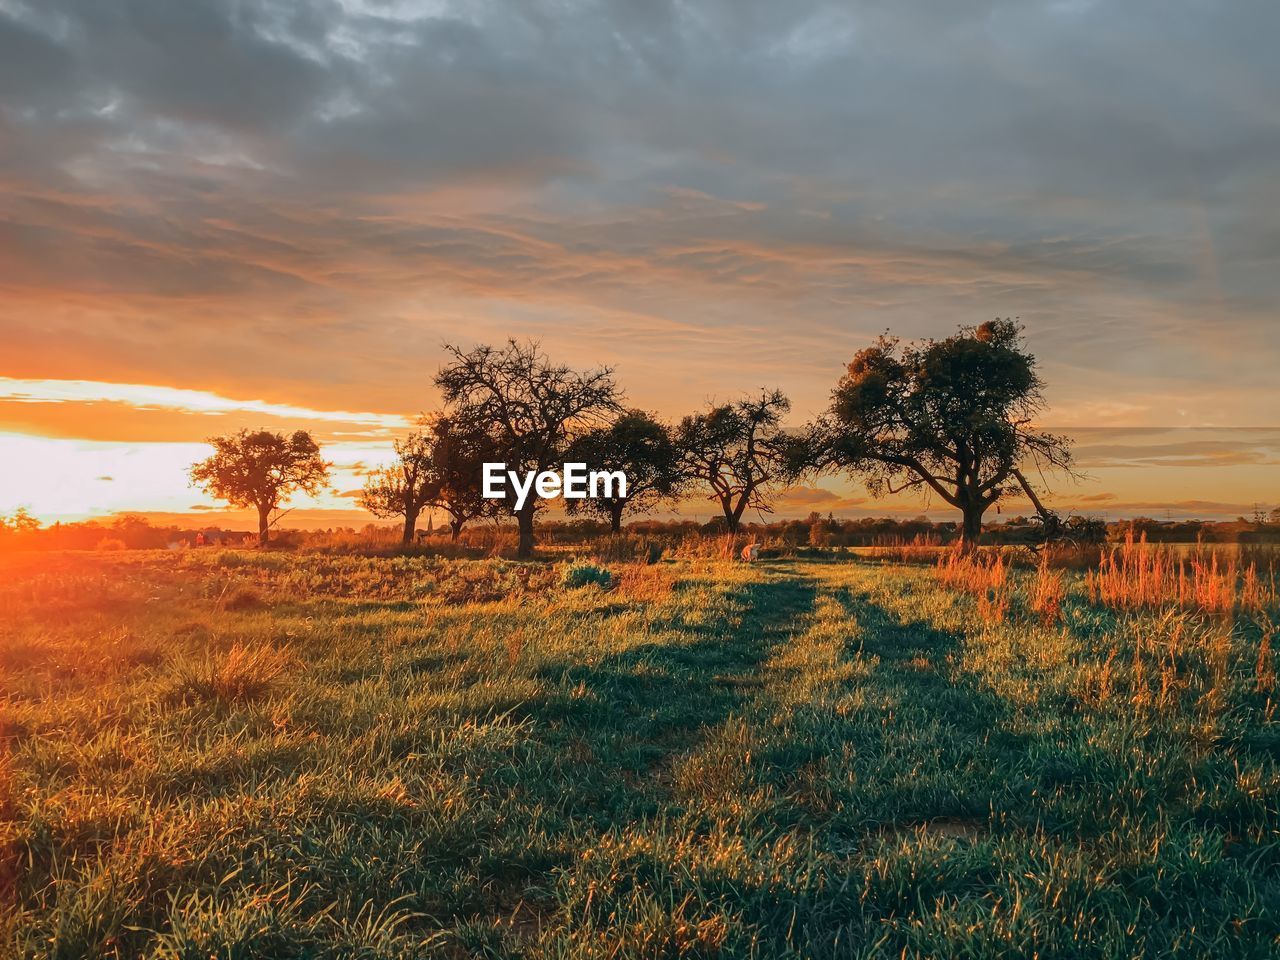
x,y
926,741
916,656
656,699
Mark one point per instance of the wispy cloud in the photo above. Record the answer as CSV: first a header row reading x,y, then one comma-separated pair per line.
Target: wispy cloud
x,y
151,397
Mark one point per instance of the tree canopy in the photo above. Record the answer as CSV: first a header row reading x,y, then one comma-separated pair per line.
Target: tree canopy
x,y
954,417
527,407
261,470
458,457
643,448
405,487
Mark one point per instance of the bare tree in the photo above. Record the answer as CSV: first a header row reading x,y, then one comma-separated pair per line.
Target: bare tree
x,y
738,450
262,470
529,407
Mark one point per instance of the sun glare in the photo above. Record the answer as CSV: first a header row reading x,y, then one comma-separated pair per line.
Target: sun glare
x,y
65,480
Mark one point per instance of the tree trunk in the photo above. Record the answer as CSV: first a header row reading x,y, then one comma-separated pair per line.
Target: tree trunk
x,y
455,528
524,550
615,516
264,525
734,517
410,523
971,527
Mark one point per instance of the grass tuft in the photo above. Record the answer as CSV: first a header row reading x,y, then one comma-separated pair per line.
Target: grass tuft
x,y
242,675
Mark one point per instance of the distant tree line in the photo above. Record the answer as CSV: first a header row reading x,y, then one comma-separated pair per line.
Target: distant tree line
x,y
133,532
954,418
123,532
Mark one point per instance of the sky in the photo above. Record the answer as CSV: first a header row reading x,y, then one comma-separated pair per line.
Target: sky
x,y
268,213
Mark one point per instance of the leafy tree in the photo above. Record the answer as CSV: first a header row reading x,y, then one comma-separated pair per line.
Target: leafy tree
x,y
406,487
641,447
459,456
739,450
528,407
440,466
20,521
820,530
952,416
262,470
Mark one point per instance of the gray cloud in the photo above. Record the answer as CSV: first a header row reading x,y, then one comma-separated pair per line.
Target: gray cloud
x,y
1177,448
382,174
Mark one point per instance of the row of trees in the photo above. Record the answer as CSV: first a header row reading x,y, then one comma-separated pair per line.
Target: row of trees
x,y
954,417
513,405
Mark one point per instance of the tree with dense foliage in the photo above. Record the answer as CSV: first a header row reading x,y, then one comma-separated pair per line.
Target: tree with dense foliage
x,y
641,447
737,449
261,470
458,460
530,408
953,416
406,487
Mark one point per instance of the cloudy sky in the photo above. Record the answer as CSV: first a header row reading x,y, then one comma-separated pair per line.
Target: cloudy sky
x,y
222,214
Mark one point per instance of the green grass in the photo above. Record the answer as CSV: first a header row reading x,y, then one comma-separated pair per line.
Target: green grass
x,y
243,755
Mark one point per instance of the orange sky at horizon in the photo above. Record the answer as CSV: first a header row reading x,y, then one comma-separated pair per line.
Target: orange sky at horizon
x,y
222,215
105,448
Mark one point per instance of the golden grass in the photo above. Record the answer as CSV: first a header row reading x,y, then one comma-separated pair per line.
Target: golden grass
x,y
243,674
922,548
725,547
406,757
642,581
986,577
1265,670
1136,575
1047,592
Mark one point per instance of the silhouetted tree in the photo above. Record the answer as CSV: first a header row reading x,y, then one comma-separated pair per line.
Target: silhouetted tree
x,y
406,487
738,450
18,522
457,465
529,407
954,416
262,470
641,447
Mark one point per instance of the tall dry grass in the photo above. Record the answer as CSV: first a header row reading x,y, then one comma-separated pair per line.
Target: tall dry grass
x,y
922,548
639,580
985,576
1046,592
724,547
627,548
1137,575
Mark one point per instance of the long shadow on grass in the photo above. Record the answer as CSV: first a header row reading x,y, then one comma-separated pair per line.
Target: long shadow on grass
x,y
928,742
629,711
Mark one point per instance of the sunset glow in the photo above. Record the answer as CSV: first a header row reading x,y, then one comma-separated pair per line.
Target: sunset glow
x,y
146,397
182,254
582,479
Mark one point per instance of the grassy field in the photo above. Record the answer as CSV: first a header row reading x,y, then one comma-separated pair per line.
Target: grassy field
x,y
263,755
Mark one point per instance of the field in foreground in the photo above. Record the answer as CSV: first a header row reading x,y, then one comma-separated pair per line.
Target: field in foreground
x,y
261,755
